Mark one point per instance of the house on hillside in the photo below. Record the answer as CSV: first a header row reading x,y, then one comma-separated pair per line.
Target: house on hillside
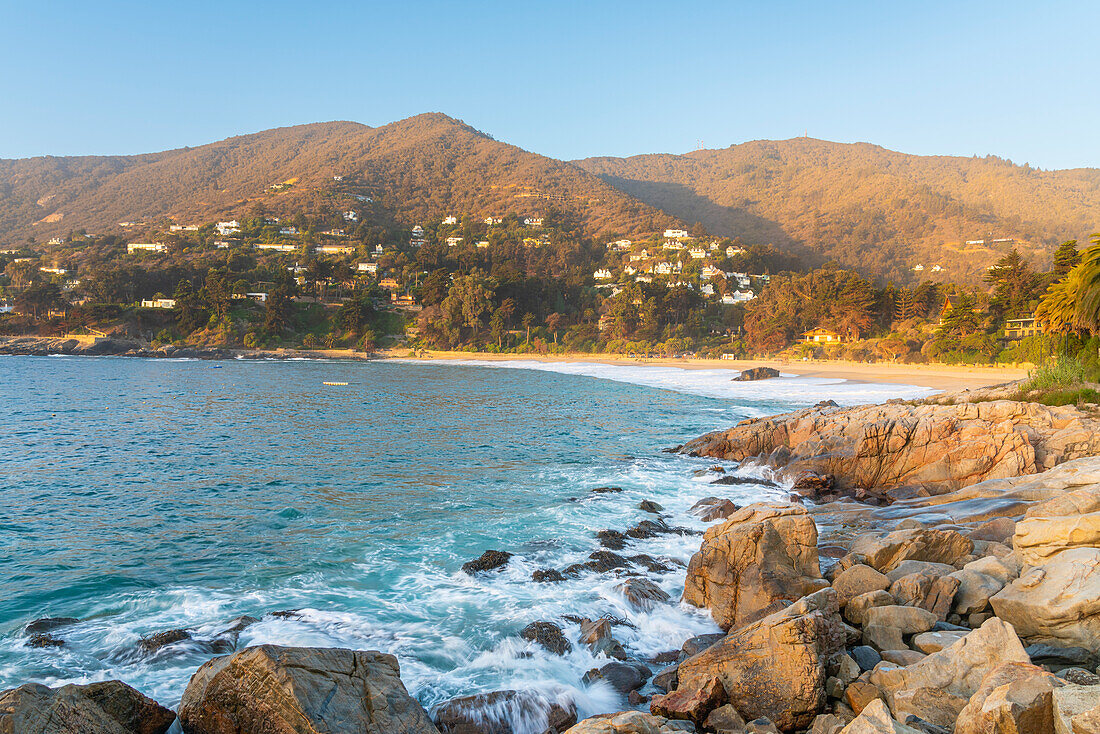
x,y
676,234
483,244
159,303
533,222
1016,329
454,241
731,251
224,229
371,268
450,220
602,274
133,247
697,253
389,284
821,336
351,216
336,249
275,247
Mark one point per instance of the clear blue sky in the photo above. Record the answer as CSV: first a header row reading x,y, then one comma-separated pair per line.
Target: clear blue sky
x,y
567,79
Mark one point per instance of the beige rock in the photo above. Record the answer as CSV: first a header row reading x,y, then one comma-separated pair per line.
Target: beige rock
x,y
691,704
926,567
936,594
856,609
1057,603
761,555
907,620
1073,704
860,693
903,657
298,689
960,668
625,722
930,642
724,720
883,637
1014,698
775,667
931,704
938,546
876,719
857,580
1071,520
974,591
931,448
827,724
1004,569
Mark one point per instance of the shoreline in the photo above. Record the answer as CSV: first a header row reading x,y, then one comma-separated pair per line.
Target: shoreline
x,y
935,376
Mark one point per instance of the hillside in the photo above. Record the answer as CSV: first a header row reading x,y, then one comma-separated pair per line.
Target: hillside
x,y
867,207
425,166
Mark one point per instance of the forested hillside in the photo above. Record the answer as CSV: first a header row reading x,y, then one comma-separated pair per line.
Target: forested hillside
x,y
873,209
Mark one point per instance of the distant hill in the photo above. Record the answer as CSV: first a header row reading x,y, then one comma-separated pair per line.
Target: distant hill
x,y
425,166
867,207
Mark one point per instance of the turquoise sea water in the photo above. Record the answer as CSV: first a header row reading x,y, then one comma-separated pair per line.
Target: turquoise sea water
x,y
146,495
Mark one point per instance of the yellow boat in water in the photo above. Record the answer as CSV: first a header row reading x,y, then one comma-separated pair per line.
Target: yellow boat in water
x,y
336,383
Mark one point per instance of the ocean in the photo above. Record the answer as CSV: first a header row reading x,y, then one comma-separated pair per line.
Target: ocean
x,y
141,496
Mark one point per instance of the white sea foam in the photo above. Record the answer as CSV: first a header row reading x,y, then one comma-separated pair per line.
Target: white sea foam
x,y
714,383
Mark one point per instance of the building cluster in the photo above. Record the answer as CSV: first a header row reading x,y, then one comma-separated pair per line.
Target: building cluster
x,y
676,260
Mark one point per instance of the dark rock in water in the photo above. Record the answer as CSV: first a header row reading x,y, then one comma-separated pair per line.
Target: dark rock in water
x,y
1079,676
490,560
547,575
240,624
652,507
827,404
154,642
44,639
757,373
924,727
612,539
504,712
650,563
110,707
604,561
547,634
672,449
642,593
636,699
695,645
666,657
667,679
597,637
287,614
268,689
623,677
649,529
866,657
45,624
605,490
730,479
1062,657
710,509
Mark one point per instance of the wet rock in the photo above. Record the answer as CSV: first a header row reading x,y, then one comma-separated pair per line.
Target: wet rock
x,y
547,575
698,643
653,507
866,657
628,722
724,720
547,634
812,485
110,707
690,704
43,639
761,555
775,667
269,688
757,373
731,480
604,561
650,529
612,539
623,677
666,679
490,560
286,614
636,699
1057,657
651,563
505,712
643,594
598,638
154,642
606,490
827,404
938,546
47,624
663,658
239,624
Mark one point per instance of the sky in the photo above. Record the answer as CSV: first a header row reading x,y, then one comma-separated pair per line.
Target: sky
x,y
567,79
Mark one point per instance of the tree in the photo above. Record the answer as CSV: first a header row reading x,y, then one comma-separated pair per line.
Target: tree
x,y
528,319
39,298
1014,285
906,306
1074,301
278,304
553,323
190,314
1065,257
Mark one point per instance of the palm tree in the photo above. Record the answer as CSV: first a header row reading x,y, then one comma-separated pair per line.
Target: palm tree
x,y
1074,301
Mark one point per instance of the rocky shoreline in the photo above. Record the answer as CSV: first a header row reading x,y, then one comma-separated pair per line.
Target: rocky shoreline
x,y
38,346
936,569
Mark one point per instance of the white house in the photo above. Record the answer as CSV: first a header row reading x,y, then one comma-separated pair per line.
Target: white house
x,y
258,296
351,216
663,268
918,268
336,249
221,244
483,244
643,279
291,231
674,245
936,269
533,221
493,220
56,241
732,251
183,228
418,231
676,234
602,274
371,268
159,303
619,245
337,178
454,241
379,249
224,229
55,271
629,270
697,253
708,272
742,296
450,220
708,290
274,247
146,247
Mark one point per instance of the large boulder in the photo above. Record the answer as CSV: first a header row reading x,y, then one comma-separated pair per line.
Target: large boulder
x,y
271,689
775,667
505,712
1071,520
876,719
1056,603
1077,709
1014,698
761,555
960,668
757,373
884,553
110,707
912,449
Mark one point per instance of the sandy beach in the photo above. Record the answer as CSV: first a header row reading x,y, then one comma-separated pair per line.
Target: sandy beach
x,y
935,376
